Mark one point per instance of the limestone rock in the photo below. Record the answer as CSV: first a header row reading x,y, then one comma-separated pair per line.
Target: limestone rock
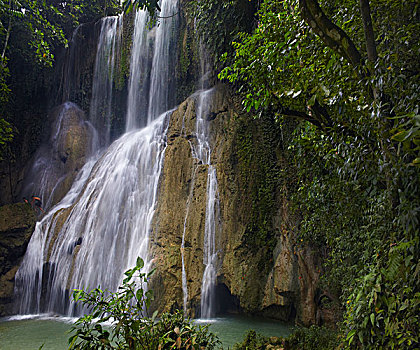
x,y
17,222
280,283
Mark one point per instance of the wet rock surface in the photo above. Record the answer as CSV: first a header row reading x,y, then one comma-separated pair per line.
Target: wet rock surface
x,y
17,222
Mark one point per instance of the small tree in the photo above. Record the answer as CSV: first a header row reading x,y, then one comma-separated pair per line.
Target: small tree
x,y
120,320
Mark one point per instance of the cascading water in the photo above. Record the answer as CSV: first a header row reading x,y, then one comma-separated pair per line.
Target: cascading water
x,y
210,257
107,228
103,78
163,67
139,78
104,223
50,167
201,150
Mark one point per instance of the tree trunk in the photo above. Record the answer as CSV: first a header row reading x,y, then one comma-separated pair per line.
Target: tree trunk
x,y
368,28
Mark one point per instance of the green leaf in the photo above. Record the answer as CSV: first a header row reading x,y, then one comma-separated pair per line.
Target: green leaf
x,y
154,315
400,136
139,263
139,294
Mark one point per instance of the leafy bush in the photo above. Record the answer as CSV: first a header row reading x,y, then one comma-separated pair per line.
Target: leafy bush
x,y
120,320
252,341
313,338
383,310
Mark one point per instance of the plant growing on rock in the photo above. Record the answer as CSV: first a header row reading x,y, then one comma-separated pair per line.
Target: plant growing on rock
x,y
120,320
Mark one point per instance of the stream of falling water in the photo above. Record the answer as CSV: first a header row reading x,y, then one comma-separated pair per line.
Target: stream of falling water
x,y
99,229
201,150
138,81
103,77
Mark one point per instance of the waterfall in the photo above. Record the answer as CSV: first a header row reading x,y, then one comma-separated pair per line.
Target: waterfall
x,y
201,150
139,78
51,167
103,77
70,70
103,224
163,67
106,229
210,257
29,277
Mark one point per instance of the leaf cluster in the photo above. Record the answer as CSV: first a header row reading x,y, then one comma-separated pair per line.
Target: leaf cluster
x,y
120,320
383,310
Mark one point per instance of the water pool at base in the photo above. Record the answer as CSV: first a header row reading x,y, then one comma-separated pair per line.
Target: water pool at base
x,y
30,332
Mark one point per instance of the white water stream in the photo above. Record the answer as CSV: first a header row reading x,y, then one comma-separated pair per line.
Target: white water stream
x,y
138,97
201,150
103,78
212,222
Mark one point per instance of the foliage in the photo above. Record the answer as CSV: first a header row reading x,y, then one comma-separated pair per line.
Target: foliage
x,y
355,152
312,338
252,341
150,5
219,22
6,136
120,320
256,144
384,309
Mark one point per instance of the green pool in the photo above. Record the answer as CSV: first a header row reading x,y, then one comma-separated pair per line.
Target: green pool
x,y
30,332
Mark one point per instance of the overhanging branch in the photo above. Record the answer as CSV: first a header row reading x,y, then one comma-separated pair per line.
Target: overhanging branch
x,y
332,35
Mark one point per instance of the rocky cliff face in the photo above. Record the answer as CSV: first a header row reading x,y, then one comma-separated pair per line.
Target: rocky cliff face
x,y
263,270
17,222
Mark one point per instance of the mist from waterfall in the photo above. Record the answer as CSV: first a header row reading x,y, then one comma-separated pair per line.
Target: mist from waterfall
x,y
99,229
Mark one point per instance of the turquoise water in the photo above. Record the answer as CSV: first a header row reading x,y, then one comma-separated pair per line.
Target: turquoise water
x,y
18,333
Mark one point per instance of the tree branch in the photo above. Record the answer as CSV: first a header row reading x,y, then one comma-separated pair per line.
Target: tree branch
x,y
300,115
332,35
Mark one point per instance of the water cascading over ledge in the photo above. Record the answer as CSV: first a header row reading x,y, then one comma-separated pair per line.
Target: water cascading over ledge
x,y
94,234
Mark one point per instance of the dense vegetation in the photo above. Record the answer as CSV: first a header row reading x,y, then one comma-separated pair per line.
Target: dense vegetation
x,y
348,71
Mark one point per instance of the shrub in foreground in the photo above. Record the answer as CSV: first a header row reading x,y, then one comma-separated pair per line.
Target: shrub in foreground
x,y
313,338
120,320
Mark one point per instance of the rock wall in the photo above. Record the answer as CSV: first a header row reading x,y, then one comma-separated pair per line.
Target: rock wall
x,y
263,270
17,222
